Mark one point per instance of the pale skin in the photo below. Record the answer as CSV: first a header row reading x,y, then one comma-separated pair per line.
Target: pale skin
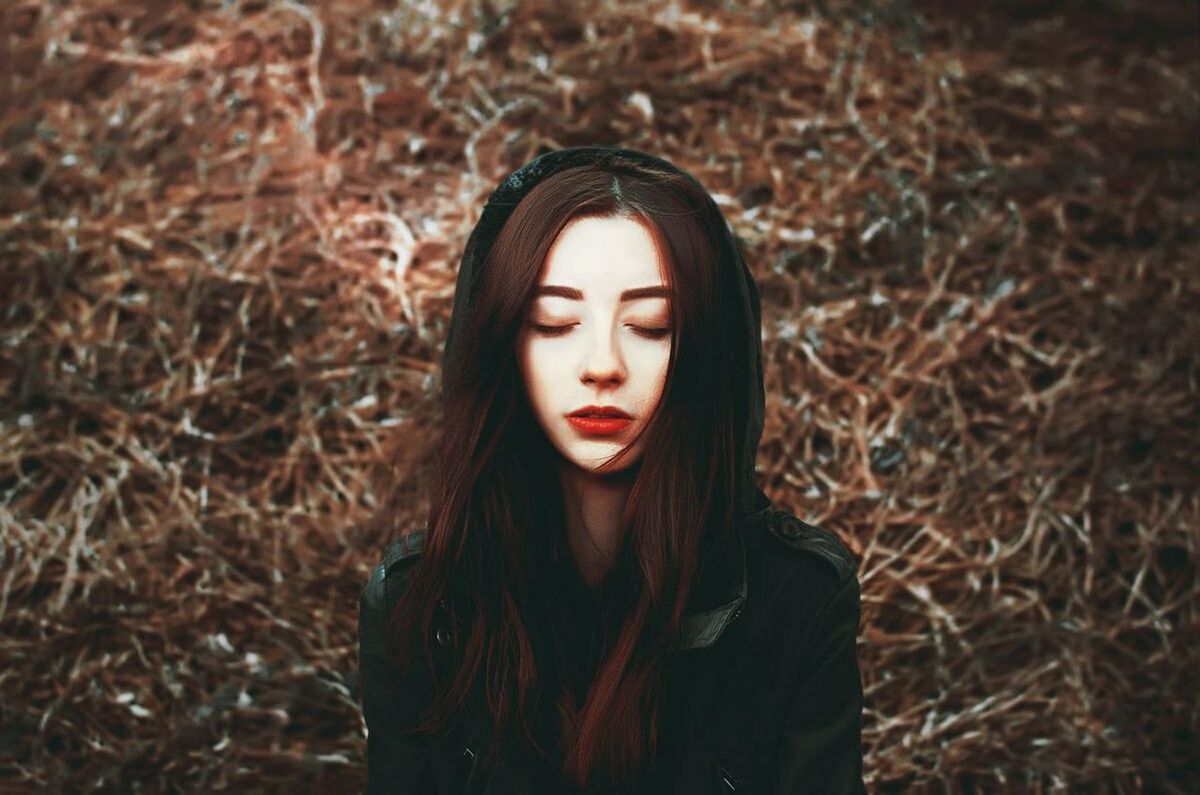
x,y
598,347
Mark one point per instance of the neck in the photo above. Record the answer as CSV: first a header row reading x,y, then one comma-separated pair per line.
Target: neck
x,y
593,505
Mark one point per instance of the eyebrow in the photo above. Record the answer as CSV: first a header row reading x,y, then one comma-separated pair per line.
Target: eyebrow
x,y
576,294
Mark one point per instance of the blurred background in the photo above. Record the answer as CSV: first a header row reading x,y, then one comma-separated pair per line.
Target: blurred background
x,y
229,236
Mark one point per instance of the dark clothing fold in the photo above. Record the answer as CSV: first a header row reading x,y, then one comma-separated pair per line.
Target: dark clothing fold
x,y
771,704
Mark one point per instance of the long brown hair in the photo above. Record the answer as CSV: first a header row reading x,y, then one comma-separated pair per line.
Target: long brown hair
x,y
496,515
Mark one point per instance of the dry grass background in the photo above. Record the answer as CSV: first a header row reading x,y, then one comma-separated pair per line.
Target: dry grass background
x,y
229,235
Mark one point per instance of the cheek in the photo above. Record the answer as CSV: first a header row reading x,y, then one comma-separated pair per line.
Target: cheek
x,y
527,373
539,374
657,363
654,366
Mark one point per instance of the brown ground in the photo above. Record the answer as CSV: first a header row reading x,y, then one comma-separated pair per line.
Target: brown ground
x,y
229,237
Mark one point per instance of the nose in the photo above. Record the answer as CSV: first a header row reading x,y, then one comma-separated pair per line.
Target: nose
x,y
602,363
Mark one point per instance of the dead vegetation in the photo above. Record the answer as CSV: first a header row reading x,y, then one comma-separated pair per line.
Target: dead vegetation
x,y
229,237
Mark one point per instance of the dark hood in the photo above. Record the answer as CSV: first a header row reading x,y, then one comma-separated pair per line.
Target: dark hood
x,y
722,590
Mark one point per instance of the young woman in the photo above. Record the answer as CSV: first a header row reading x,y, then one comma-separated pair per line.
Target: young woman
x,y
602,599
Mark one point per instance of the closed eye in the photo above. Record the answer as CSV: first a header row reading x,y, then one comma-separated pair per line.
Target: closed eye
x,y
552,331
558,331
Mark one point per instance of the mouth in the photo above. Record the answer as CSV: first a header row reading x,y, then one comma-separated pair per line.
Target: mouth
x,y
600,416
599,426
599,420
600,412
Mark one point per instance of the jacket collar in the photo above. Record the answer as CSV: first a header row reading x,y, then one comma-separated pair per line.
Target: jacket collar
x,y
701,628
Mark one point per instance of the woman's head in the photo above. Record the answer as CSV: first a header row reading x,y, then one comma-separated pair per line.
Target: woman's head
x,y
558,247
598,335
600,230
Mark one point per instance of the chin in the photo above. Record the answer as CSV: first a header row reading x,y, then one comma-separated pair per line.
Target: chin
x,y
597,464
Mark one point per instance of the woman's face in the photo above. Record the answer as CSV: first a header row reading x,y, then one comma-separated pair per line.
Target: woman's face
x,y
598,334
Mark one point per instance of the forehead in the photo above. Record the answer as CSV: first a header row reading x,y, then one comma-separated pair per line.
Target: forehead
x,y
602,257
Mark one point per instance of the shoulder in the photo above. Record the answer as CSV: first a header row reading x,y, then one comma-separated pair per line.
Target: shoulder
x,y
393,570
801,564
794,537
807,578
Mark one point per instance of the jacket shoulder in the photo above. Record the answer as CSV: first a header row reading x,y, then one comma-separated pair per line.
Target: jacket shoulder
x,y
394,569
801,538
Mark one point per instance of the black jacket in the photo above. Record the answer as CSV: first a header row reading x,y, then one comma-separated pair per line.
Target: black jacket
x,y
763,692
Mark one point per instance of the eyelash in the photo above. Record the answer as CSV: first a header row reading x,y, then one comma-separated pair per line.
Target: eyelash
x,y
649,333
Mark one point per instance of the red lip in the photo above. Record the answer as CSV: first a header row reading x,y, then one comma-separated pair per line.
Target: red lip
x,y
605,420
599,426
606,411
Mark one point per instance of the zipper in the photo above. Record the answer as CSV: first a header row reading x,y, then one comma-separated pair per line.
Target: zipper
x,y
737,612
471,764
